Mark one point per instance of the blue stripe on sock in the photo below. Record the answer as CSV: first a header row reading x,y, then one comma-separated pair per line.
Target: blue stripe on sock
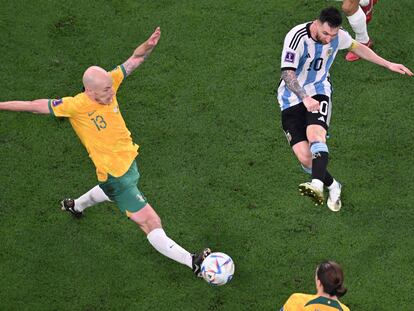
x,y
318,147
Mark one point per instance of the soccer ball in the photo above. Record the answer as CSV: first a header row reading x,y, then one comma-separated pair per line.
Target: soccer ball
x,y
217,268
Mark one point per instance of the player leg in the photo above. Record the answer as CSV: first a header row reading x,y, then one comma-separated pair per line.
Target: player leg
x,y
358,21
149,222
316,137
316,130
294,123
303,153
124,191
368,8
77,206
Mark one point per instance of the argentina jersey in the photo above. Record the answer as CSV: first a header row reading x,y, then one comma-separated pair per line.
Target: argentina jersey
x,y
311,61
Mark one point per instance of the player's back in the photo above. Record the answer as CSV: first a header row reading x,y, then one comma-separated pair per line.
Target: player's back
x,y
305,302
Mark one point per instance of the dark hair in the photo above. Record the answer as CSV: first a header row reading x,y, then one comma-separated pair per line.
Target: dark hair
x,y
332,278
332,16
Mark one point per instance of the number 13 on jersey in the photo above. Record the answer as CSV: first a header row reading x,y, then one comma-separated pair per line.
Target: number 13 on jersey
x,y
99,122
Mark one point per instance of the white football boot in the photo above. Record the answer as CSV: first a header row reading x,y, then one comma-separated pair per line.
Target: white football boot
x,y
334,199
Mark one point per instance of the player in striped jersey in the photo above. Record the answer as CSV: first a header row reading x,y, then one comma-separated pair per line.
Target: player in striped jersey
x,y
359,14
304,95
329,280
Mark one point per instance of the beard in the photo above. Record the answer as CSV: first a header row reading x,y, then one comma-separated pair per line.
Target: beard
x,y
319,40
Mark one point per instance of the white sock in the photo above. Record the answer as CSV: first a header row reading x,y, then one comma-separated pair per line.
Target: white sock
x,y
92,197
317,183
359,25
162,243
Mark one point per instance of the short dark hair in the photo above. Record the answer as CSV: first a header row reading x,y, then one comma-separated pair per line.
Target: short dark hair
x,y
332,16
332,278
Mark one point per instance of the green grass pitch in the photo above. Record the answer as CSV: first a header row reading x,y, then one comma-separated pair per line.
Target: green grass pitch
x,y
214,161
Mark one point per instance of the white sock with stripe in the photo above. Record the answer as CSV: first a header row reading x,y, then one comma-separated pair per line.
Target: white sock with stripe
x,y
92,197
163,244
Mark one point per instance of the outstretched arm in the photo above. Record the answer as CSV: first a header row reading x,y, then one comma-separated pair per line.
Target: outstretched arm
x,y
142,52
35,106
369,55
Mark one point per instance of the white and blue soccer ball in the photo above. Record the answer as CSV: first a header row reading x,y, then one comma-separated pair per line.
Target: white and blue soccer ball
x,y
217,268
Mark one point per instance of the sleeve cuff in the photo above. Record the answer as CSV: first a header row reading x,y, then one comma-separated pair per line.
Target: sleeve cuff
x,y
288,68
354,44
123,70
49,104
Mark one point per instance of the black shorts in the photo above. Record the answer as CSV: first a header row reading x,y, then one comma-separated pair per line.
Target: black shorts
x,y
296,119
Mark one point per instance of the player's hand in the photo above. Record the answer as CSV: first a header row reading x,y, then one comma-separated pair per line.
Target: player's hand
x,y
145,49
311,104
400,69
153,39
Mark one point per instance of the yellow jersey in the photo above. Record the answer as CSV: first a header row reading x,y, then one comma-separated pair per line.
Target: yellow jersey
x,y
101,129
304,302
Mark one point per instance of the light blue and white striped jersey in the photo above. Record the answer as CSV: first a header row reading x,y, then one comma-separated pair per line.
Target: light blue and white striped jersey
x,y
311,61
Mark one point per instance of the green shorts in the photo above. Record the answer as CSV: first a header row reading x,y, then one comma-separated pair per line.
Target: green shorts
x,y
124,190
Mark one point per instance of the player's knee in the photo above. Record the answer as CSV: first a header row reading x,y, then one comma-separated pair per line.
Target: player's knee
x,y
316,133
317,136
153,223
350,7
149,223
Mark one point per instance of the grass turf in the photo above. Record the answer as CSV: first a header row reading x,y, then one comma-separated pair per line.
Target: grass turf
x,y
214,161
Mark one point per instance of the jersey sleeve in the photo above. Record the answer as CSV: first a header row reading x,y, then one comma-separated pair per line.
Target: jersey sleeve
x,y
345,39
291,304
63,107
292,51
118,75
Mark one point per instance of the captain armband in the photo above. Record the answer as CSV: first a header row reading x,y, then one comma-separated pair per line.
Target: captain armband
x,y
353,45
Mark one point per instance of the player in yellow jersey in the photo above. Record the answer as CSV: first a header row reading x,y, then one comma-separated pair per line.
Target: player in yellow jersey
x,y
329,280
96,118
